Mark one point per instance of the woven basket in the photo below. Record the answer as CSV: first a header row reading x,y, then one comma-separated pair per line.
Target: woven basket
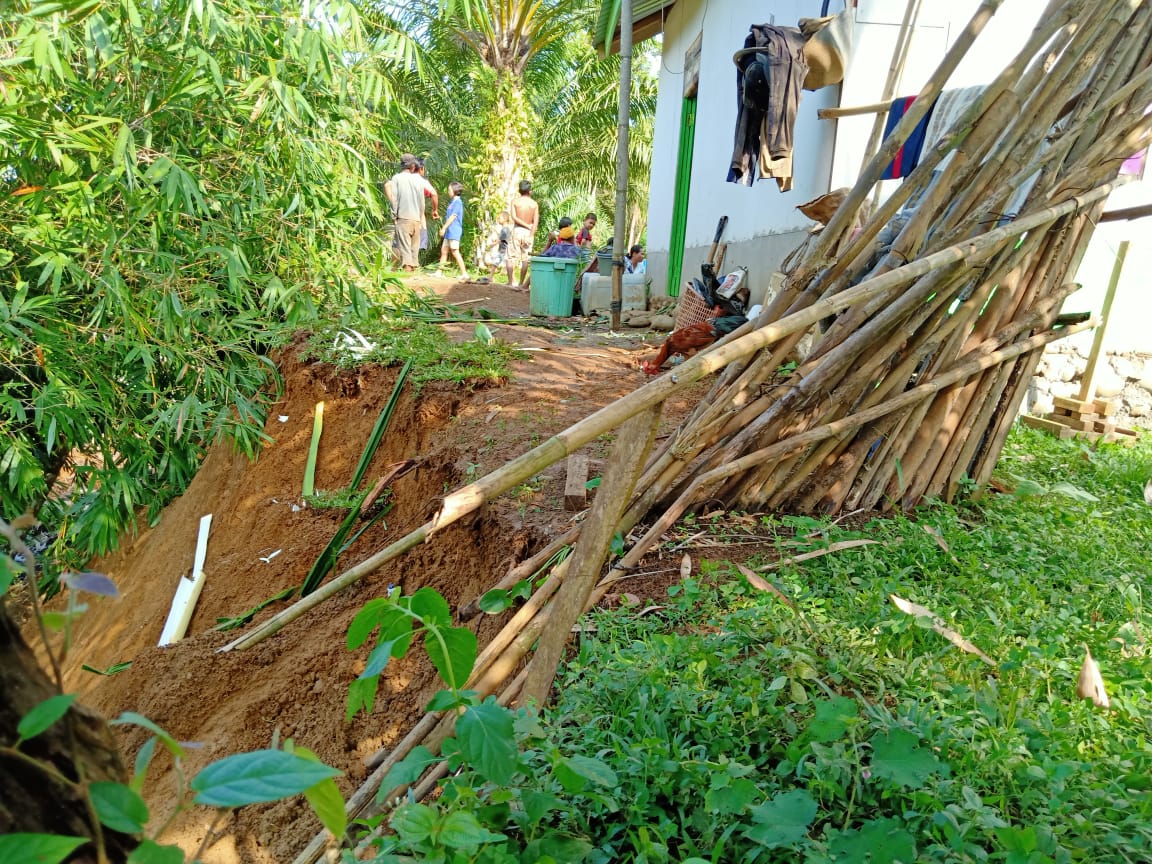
x,y
692,309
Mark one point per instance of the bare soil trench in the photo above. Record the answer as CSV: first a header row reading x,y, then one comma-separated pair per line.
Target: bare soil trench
x,y
295,683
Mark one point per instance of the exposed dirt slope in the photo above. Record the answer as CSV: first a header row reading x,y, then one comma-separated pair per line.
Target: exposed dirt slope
x,y
295,683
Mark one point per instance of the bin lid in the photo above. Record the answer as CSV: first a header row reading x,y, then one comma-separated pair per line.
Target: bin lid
x,y
557,263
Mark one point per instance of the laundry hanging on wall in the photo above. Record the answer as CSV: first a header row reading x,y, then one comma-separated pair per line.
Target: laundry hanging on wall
x,y
908,156
770,72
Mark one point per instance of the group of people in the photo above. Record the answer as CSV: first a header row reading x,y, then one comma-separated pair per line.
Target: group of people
x,y
508,244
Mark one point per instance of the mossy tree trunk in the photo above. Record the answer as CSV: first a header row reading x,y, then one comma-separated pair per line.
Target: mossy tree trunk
x,y
32,798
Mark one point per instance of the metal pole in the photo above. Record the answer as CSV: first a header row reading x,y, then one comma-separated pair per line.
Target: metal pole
x,y
619,236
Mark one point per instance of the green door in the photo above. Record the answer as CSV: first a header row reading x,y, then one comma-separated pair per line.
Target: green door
x,y
680,197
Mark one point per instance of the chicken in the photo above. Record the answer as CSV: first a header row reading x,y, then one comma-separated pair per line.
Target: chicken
x,y
687,341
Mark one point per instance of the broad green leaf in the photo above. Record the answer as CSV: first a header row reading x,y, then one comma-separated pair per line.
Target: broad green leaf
x,y
366,620
1026,487
574,772
537,805
325,798
92,583
783,820
897,756
881,841
21,848
7,573
151,852
487,740
461,830
414,823
378,659
453,653
1017,839
118,807
431,607
1074,492
328,805
495,601
559,849
443,700
729,800
143,760
134,719
256,777
361,696
43,716
832,719
407,771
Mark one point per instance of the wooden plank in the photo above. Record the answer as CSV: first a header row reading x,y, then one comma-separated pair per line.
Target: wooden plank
x,y
692,67
1106,407
576,486
1080,424
1049,426
1080,406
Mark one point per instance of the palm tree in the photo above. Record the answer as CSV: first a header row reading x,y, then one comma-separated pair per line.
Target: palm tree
x,y
505,54
579,134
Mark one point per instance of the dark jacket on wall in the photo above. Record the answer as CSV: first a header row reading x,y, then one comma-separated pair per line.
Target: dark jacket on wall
x,y
768,88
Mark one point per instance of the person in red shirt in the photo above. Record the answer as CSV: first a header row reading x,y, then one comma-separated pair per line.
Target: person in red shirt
x,y
584,235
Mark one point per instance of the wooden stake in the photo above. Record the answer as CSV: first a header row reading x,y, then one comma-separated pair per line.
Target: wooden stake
x,y
1088,382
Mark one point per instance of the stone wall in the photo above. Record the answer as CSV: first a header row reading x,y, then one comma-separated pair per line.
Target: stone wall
x,y
1126,376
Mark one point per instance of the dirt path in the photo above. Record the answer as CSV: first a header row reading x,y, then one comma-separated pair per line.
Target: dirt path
x,y
263,541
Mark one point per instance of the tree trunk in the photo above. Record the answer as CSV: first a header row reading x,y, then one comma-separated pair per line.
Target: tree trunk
x,y
503,151
30,799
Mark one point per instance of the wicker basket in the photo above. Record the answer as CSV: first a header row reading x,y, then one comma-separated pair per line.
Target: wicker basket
x,y
692,309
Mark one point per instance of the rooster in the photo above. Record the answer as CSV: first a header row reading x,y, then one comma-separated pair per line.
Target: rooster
x,y
687,341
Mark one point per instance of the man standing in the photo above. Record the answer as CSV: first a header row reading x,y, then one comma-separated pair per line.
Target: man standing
x,y
405,193
525,221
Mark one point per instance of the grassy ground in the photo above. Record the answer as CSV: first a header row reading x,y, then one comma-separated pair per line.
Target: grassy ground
x,y
734,725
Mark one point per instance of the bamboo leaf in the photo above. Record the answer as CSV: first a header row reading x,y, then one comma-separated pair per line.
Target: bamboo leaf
x,y
937,624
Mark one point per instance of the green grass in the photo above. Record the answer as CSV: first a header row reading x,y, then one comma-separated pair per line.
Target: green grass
x,y
731,725
742,730
435,356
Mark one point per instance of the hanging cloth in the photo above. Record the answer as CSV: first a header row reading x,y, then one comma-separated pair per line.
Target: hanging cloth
x,y
908,156
770,71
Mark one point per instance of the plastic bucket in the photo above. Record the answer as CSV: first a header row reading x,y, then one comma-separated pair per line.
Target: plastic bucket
x,y
553,286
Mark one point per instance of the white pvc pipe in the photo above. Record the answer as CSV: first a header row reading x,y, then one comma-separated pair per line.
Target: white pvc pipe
x,y
188,591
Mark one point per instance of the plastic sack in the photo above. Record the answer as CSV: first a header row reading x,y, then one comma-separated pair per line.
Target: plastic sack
x,y
829,46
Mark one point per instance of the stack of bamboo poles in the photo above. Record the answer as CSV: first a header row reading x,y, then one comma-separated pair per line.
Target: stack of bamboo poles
x,y
912,387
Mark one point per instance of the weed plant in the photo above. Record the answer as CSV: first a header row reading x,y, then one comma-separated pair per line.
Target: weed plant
x,y
435,357
732,726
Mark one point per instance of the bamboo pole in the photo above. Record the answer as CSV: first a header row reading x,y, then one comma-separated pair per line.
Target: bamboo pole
x,y
895,72
620,474
1088,382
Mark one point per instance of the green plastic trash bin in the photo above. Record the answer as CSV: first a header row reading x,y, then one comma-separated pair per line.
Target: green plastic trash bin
x,y
553,285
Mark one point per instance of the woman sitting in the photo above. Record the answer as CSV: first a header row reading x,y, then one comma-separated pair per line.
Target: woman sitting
x,y
564,246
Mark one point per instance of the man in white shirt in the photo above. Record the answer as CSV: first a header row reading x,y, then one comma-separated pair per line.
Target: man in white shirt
x,y
406,191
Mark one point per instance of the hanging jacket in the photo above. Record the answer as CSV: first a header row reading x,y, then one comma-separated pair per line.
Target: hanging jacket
x,y
768,89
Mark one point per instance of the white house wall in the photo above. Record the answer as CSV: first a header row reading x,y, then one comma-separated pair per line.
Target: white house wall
x,y
763,222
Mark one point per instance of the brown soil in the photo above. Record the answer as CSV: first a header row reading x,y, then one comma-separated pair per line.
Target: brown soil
x,y
295,683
